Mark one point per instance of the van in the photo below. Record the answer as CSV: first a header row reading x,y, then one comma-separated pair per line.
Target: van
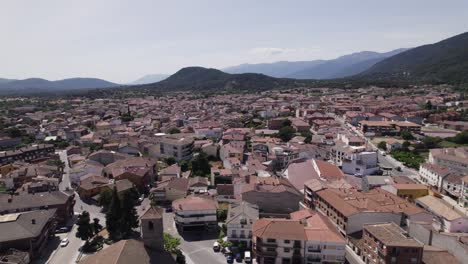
x,y
216,246
247,257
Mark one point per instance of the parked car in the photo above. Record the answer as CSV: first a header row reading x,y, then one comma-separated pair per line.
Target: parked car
x,y
398,168
247,257
216,246
168,209
64,242
229,258
64,229
238,257
142,197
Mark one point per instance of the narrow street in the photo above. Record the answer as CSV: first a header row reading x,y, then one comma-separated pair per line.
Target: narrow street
x,y
68,254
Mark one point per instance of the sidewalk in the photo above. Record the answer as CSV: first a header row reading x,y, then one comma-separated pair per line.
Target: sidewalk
x,y
455,205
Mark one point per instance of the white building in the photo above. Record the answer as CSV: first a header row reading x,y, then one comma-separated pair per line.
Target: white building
x,y
240,218
432,175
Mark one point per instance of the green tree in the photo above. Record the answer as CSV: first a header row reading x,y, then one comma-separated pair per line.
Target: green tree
x,y
85,229
221,214
170,161
460,138
200,165
286,133
113,216
97,227
14,132
286,123
105,198
171,243
174,130
382,145
129,218
184,166
431,142
428,105
406,135
405,146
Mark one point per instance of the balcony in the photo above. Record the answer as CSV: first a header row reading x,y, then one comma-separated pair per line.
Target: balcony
x,y
258,251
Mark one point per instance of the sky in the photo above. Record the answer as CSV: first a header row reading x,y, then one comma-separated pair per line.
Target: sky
x,y
123,40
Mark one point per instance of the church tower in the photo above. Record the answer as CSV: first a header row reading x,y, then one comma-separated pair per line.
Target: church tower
x,y
152,228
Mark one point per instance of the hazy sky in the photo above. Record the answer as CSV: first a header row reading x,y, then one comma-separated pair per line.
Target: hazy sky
x,y
122,40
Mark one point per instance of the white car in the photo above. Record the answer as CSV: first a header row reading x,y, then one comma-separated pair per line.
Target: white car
x,y
64,242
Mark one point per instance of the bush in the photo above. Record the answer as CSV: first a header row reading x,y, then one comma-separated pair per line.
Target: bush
x,y
382,145
406,135
409,159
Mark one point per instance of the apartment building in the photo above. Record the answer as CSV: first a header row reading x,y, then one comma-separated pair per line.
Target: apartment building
x,y
350,209
28,154
305,238
27,231
388,243
463,199
240,218
454,158
181,148
63,202
445,217
432,174
195,212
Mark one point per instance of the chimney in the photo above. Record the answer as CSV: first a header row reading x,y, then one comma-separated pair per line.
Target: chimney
x,y
33,221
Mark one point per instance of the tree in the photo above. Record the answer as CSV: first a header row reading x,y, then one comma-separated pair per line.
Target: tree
x,y
428,105
200,165
174,130
431,142
85,229
170,161
129,218
286,123
113,216
170,243
460,138
105,198
14,132
405,146
406,135
382,145
221,214
184,166
286,133
96,226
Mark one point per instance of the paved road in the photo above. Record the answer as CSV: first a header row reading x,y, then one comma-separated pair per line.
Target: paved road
x,y
69,253
197,247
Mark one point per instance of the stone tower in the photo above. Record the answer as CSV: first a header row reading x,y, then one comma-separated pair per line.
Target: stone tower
x,y
152,228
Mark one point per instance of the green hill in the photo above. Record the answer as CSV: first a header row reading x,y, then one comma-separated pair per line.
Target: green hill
x,y
442,62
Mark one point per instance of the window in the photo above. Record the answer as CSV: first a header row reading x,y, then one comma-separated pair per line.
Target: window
x,y
150,225
286,250
271,240
287,241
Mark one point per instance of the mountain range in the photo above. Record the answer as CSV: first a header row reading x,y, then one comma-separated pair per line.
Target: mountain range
x,y
206,79
39,85
442,62
150,78
340,67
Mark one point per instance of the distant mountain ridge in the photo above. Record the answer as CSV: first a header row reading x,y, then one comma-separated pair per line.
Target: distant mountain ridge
x,y
204,79
445,61
38,84
340,67
151,78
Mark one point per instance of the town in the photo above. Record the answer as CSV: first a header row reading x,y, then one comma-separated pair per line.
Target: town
x,y
306,175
